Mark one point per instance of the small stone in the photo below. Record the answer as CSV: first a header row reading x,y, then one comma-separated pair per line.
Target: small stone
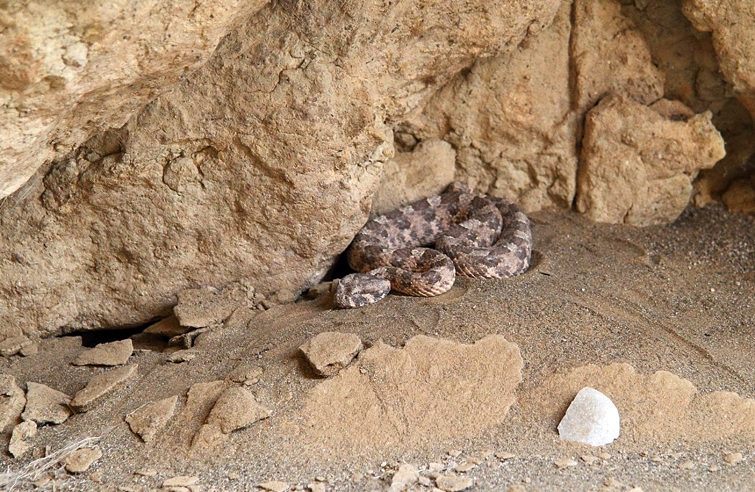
x,y
516,488
146,473
274,486
182,356
246,374
29,349
405,477
96,476
181,481
18,445
732,458
13,345
612,483
167,327
235,409
12,401
453,483
101,385
485,454
149,419
329,352
425,481
317,487
677,455
435,466
503,456
589,459
714,468
454,453
565,463
80,460
604,456
45,405
592,418
687,465
635,489
465,467
106,354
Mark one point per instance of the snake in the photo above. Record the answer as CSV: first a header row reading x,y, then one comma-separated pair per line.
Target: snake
x,y
419,249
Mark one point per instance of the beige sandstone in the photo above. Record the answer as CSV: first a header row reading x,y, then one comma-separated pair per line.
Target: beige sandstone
x,y
638,162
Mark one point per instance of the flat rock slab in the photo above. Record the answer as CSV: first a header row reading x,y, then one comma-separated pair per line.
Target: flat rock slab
x,y
13,345
329,352
80,460
106,354
235,409
45,405
149,419
18,445
100,385
167,327
12,401
453,483
431,389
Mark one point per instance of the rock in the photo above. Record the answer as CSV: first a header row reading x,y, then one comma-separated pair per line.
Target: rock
x,y
106,354
182,356
466,467
246,374
565,463
740,196
731,25
432,384
235,409
29,349
13,345
18,445
180,196
45,405
503,455
453,483
100,385
80,460
732,458
591,418
61,83
167,327
406,476
198,308
638,162
329,352
274,486
510,120
180,481
317,487
410,176
12,401
150,418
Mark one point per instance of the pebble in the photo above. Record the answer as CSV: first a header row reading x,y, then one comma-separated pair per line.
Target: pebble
x,y
13,345
604,456
714,468
146,473
687,465
329,352
106,354
45,405
101,385
80,460
18,445
29,349
565,463
732,458
147,420
454,453
235,409
591,418
12,401
182,356
274,486
453,483
589,459
465,467
435,466
246,374
181,481
167,327
503,456
317,487
406,476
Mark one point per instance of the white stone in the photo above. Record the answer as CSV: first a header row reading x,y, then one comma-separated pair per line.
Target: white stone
x,y
592,418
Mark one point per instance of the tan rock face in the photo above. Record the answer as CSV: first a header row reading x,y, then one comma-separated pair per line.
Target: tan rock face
x,y
69,70
638,162
258,166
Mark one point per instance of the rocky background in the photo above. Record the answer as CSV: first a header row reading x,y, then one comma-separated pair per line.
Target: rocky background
x,y
152,148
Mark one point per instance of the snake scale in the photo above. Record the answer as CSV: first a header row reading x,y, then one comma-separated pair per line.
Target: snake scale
x,y
471,234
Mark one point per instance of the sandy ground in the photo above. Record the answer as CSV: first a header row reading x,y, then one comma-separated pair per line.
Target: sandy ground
x,y
602,306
